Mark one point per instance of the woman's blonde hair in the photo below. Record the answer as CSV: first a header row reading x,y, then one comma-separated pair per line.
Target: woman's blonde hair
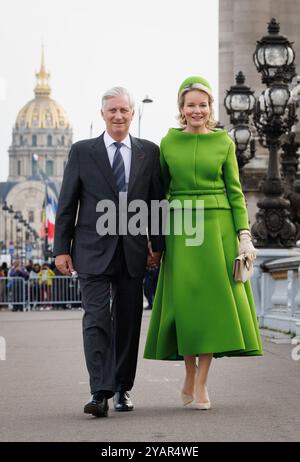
x,y
211,123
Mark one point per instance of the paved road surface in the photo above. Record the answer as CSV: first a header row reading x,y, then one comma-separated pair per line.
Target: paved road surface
x,y
43,386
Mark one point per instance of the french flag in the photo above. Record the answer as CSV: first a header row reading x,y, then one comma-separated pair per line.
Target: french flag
x,y
51,208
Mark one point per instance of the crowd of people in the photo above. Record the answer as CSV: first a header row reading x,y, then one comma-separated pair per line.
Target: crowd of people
x,y
45,290
36,285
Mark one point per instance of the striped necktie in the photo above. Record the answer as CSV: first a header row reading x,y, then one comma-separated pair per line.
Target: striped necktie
x,y
119,168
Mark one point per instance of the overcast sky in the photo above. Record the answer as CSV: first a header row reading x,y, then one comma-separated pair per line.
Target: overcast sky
x,y
148,46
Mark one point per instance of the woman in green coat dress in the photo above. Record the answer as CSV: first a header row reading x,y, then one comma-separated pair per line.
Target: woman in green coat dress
x,y
199,310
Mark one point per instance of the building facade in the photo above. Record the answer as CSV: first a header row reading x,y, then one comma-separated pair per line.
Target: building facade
x,y
241,24
41,141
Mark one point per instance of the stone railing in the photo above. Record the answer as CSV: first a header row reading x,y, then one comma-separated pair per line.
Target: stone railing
x,y
276,287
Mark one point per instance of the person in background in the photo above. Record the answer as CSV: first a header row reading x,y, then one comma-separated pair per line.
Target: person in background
x,y
4,269
46,281
35,289
29,266
17,275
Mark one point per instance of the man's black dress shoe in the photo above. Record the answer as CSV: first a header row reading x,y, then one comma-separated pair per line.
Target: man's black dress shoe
x,y
122,401
97,406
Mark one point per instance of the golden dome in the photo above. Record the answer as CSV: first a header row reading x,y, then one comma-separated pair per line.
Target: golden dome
x,y
42,111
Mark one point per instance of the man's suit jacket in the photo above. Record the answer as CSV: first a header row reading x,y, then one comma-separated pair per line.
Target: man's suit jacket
x,y
88,179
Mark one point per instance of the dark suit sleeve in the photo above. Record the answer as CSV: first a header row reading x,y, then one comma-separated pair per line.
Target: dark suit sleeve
x,y
156,193
67,206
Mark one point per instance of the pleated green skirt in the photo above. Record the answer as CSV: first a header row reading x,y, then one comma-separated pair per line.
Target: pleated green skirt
x,y
198,307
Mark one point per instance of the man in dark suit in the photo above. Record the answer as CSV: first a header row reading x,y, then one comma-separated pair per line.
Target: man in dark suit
x,y
110,266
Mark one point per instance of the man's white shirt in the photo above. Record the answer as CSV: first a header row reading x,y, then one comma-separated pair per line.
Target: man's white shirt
x,y
125,152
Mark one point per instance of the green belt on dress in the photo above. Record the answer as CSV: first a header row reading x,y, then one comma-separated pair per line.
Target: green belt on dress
x,y
197,192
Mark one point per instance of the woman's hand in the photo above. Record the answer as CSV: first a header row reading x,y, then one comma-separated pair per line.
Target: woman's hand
x,y
246,247
153,259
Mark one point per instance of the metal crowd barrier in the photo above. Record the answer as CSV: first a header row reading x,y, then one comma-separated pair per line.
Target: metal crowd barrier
x,y
59,292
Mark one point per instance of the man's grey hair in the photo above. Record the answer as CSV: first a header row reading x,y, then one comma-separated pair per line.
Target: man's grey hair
x,y
117,91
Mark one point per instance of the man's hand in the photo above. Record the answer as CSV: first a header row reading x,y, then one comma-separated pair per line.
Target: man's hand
x,y
64,264
153,259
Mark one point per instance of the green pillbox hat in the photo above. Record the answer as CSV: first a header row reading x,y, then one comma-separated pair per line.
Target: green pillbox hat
x,y
198,80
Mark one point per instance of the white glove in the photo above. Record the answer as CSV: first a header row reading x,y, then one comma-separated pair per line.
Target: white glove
x,y
246,247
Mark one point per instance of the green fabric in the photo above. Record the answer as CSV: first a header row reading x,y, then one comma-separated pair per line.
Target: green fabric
x,y
195,79
198,307
204,162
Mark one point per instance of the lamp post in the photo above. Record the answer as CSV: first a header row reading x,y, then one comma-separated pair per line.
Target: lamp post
x,y
239,103
16,218
5,210
11,213
274,115
35,243
28,241
22,223
146,100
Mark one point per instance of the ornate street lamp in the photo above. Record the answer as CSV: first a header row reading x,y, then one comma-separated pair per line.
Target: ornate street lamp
x,y
22,222
241,136
274,56
239,103
276,99
274,115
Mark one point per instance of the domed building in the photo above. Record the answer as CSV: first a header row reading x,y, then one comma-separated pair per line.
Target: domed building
x,y
42,129
41,141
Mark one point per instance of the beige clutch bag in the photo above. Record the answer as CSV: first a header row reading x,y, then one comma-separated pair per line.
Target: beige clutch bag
x,y
242,269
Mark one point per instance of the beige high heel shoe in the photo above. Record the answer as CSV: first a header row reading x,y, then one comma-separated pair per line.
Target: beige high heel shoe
x,y
185,398
203,406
